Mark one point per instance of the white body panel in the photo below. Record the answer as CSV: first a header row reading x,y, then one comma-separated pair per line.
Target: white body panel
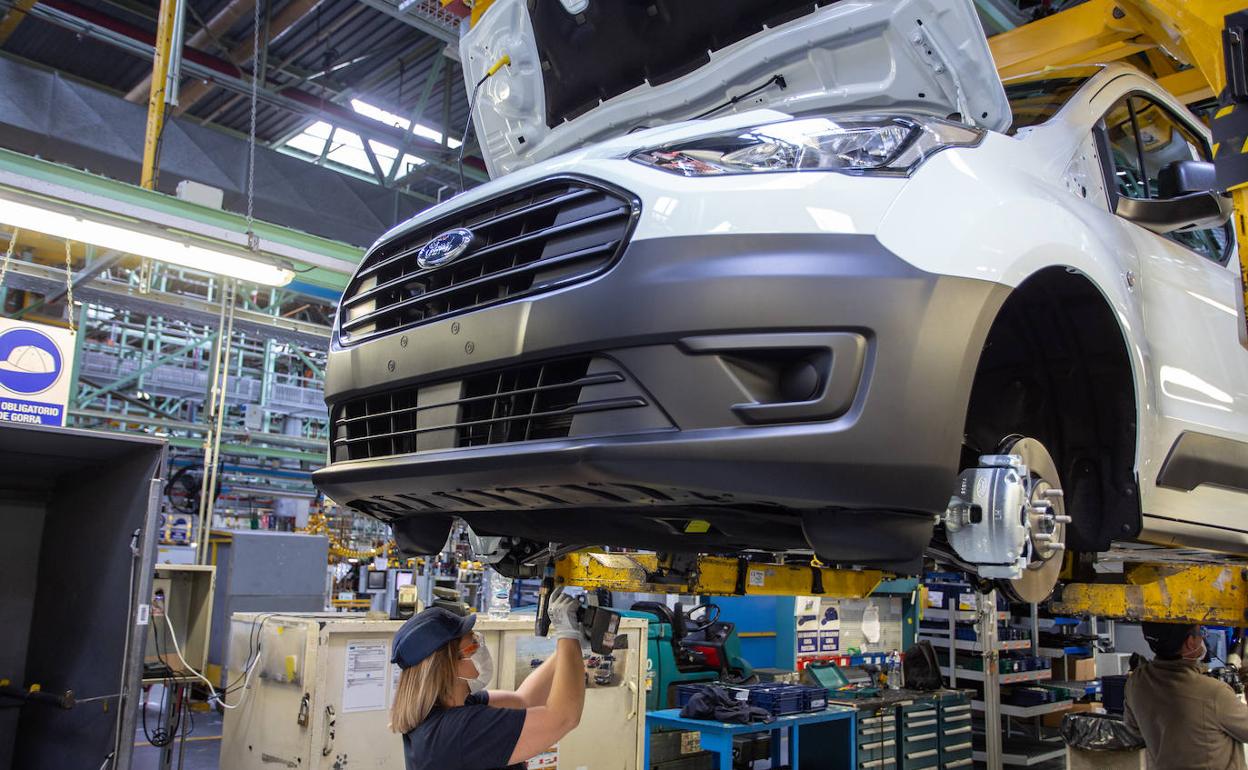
x,y
1006,213
1000,212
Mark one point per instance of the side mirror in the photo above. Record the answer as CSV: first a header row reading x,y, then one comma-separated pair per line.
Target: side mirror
x,y
1184,177
1190,200
1196,211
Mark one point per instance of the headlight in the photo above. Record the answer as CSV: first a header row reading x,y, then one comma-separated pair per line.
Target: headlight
x,y
863,145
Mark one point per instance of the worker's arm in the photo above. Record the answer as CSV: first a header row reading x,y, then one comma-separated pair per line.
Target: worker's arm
x,y
533,691
544,726
1128,714
1232,715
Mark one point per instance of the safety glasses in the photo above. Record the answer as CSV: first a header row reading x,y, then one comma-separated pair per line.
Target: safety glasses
x,y
469,648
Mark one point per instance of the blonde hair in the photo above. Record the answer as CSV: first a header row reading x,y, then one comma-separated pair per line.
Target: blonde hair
x,y
429,683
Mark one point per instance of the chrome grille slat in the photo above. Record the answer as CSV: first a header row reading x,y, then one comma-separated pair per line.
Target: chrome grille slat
x,y
364,337
480,254
565,198
562,259
566,226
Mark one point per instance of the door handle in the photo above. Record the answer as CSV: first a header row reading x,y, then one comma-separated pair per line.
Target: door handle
x,y
632,691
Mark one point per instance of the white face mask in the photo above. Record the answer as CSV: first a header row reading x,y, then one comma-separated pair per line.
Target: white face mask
x,y
484,663
1200,655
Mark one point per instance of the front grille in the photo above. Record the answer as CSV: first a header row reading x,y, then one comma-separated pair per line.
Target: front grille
x,y
522,403
550,234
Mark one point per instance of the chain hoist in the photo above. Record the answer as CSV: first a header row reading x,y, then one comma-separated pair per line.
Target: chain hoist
x,y
8,256
69,285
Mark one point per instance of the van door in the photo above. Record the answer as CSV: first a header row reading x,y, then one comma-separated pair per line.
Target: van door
x,y
1196,471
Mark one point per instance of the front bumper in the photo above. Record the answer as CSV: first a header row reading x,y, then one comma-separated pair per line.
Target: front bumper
x,y
695,322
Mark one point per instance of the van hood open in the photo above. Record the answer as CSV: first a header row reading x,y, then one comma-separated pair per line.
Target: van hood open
x,y
615,66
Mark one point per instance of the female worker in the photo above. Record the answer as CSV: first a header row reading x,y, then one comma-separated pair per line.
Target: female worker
x,y
448,719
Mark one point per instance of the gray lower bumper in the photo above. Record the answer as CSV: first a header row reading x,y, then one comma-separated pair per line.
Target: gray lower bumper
x,y
887,439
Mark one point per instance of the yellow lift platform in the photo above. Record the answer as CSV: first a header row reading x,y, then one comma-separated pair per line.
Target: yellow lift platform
x,y
710,576
1208,594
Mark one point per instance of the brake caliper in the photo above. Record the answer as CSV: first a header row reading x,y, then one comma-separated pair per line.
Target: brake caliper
x,y
1000,519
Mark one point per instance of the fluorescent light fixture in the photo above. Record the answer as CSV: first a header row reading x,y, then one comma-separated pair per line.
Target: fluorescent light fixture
x,y
144,241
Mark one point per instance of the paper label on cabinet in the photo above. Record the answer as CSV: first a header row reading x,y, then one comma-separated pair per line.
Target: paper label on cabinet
x,y
364,676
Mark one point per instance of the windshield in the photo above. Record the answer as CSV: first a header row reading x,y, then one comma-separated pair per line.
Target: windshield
x,y
1035,101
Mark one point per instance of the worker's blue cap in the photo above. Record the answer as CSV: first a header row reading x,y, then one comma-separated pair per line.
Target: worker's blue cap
x,y
425,633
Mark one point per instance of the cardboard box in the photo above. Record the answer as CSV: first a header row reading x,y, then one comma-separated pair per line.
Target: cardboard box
x,y
669,746
1074,669
1054,719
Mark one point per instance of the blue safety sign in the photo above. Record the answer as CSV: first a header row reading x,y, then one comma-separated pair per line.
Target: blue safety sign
x,y
34,383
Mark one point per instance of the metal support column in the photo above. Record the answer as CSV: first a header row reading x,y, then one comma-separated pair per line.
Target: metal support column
x,y
953,644
986,622
215,418
167,25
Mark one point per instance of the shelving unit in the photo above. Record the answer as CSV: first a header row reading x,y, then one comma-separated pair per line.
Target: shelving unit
x,y
1061,652
967,645
1018,677
1024,756
963,616
1026,712
993,748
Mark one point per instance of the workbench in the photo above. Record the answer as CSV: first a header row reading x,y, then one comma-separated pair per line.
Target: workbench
x,y
717,736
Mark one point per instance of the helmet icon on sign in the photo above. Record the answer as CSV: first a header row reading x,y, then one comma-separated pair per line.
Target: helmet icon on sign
x,y
30,362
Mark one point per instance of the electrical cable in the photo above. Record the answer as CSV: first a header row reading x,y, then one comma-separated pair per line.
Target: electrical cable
x,y
213,694
161,737
166,729
253,649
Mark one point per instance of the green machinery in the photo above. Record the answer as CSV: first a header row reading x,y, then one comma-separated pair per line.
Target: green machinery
x,y
687,646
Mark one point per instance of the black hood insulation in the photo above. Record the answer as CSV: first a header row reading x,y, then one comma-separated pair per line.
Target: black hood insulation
x,y
616,45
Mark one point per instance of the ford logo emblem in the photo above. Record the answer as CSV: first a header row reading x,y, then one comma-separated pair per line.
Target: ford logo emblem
x,y
444,248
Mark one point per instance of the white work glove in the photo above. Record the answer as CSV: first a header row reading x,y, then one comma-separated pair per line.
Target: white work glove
x,y
562,610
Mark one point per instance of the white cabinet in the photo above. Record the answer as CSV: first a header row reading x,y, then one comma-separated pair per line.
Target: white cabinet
x,y
320,693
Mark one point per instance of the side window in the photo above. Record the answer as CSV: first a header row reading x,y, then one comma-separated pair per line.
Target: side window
x,y
1163,140
1124,152
1143,138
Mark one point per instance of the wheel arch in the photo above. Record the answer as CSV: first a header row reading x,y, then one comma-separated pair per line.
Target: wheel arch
x,y
1056,366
